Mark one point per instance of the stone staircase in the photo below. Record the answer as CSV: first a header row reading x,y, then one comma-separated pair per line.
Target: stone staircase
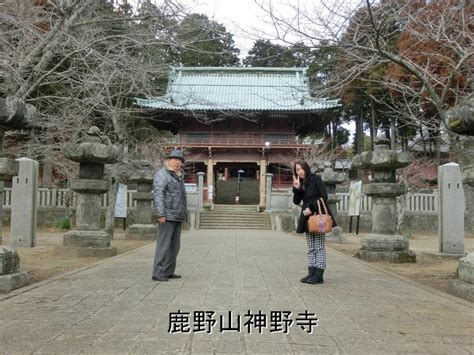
x,y
234,217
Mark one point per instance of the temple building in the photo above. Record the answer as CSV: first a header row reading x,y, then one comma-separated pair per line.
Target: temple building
x,y
237,124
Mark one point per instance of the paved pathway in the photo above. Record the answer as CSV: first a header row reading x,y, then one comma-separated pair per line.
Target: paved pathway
x,y
115,307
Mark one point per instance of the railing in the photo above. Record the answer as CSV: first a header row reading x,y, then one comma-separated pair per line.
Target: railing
x,y
414,202
343,204
281,186
58,198
51,198
229,139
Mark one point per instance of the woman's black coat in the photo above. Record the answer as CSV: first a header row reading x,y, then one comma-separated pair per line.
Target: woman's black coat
x,y
311,190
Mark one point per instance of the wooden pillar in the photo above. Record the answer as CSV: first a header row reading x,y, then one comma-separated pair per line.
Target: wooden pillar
x,y
263,172
210,181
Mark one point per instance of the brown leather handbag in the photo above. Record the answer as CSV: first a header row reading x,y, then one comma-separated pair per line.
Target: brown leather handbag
x,y
322,222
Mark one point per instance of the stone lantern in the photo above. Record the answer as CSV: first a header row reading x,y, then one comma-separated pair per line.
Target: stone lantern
x,y
384,244
144,228
331,179
461,120
14,114
92,152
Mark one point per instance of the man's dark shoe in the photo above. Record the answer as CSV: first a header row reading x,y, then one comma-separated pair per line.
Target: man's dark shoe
x,y
159,278
174,276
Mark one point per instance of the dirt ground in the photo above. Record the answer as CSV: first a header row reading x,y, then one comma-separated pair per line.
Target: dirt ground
x,y
430,270
42,263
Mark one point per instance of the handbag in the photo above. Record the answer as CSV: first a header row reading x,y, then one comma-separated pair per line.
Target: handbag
x,y
322,222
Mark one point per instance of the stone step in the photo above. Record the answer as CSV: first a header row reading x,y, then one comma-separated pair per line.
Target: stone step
x,y
235,223
233,227
252,208
233,215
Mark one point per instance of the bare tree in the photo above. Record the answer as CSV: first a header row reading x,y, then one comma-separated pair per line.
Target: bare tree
x,y
80,63
427,48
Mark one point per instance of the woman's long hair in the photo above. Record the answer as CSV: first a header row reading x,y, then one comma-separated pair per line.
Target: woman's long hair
x,y
305,166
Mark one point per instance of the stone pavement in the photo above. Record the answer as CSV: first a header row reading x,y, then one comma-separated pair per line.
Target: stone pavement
x,y
115,307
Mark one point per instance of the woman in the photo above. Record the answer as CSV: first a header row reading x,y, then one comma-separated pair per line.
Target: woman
x,y
309,188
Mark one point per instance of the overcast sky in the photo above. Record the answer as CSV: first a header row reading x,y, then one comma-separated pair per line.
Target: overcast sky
x,y
240,17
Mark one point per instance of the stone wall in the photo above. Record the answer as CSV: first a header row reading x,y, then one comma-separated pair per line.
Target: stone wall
x,y
413,222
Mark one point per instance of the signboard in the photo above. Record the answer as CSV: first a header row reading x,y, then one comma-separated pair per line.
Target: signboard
x,y
355,198
121,202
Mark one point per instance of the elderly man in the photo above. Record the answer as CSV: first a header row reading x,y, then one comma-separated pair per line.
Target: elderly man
x,y
169,196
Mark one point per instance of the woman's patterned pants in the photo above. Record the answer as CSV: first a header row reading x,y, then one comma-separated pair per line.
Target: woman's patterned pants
x,y
316,250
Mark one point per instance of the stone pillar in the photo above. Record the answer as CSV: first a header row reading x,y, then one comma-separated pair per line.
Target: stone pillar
x,y
24,204
11,277
263,173
7,170
47,178
450,210
88,238
466,160
268,204
143,228
384,244
201,190
331,179
2,190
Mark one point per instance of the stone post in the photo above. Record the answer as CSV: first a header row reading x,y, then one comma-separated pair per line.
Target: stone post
x,y
384,244
143,228
268,204
88,238
331,179
450,210
24,204
200,191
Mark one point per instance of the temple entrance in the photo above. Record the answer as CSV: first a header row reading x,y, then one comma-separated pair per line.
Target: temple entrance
x,y
234,179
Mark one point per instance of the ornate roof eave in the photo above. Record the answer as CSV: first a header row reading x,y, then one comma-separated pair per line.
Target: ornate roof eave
x,y
166,104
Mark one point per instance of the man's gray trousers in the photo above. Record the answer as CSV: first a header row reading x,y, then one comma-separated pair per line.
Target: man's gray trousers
x,y
167,248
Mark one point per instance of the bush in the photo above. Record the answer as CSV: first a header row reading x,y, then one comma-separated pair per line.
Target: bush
x,y
64,224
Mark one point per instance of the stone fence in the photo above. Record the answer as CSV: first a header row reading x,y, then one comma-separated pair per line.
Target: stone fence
x,y
58,198
420,211
279,201
414,202
52,205
421,208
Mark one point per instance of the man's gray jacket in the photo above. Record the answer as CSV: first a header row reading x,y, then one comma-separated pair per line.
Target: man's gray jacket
x,y
169,196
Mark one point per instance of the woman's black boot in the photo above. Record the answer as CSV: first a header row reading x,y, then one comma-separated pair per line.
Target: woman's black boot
x,y
311,271
317,277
